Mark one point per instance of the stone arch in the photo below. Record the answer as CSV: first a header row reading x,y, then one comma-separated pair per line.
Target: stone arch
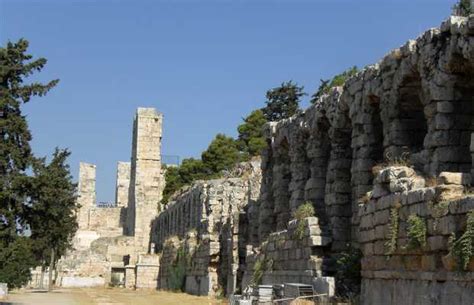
x,y
281,182
338,194
266,215
406,120
318,152
300,172
367,145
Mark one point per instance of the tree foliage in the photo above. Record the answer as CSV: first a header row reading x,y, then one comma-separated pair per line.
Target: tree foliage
x,y
222,154
463,8
251,140
283,101
53,220
16,259
16,156
337,81
176,177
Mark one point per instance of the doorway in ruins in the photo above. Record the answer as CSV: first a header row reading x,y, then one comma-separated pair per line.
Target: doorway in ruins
x,y
117,277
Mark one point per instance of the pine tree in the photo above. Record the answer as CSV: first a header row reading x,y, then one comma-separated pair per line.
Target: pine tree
x,y
251,140
283,102
463,8
53,220
222,154
16,156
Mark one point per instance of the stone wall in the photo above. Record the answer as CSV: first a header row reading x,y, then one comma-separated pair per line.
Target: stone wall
x,y
123,184
101,248
398,268
287,256
146,179
204,223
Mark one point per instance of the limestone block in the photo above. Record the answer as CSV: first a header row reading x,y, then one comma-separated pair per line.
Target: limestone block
x,y
449,192
454,178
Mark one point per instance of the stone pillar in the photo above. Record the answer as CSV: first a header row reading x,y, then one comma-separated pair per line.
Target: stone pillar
x,y
86,198
146,180
123,184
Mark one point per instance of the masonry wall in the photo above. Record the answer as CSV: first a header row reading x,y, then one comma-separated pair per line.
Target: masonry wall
x,y
146,179
399,269
416,105
204,223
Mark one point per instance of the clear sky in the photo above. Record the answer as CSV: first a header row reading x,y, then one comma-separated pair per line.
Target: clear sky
x,y
204,64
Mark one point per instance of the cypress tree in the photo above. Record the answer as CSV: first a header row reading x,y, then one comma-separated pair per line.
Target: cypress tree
x,y
16,158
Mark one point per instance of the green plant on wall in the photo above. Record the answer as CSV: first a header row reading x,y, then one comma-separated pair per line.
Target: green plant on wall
x,y
305,210
391,244
416,232
261,265
462,248
348,274
177,270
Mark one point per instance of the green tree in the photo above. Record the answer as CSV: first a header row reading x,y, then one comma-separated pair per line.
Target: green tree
x,y
283,102
176,177
53,221
463,8
251,140
15,155
336,81
222,154
15,262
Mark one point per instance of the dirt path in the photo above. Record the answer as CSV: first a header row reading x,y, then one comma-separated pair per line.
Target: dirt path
x,y
106,297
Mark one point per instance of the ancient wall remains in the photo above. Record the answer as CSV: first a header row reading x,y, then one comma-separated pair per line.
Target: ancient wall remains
x,y
405,232
203,224
415,107
295,255
146,179
86,193
102,254
123,184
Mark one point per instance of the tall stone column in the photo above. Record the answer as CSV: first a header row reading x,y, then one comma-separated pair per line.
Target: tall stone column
x,y
86,198
146,180
123,184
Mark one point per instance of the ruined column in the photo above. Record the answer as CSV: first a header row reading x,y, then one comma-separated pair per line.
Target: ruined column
x,y
146,180
123,184
86,198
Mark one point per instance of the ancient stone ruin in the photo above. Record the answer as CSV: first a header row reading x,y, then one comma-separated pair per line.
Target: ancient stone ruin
x,y
386,161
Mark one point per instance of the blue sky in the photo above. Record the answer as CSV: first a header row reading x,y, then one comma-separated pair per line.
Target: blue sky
x,y
204,64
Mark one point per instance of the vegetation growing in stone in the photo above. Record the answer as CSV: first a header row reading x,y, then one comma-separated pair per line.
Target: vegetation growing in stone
x,y
177,271
391,244
463,8
416,232
283,101
337,81
462,248
305,210
251,140
348,274
261,265
16,160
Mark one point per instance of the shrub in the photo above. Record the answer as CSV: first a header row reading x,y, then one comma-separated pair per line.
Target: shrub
x,y
177,279
305,210
463,8
416,232
348,274
462,249
261,265
391,244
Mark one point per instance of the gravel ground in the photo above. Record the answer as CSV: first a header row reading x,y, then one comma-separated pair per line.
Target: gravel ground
x,y
105,297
